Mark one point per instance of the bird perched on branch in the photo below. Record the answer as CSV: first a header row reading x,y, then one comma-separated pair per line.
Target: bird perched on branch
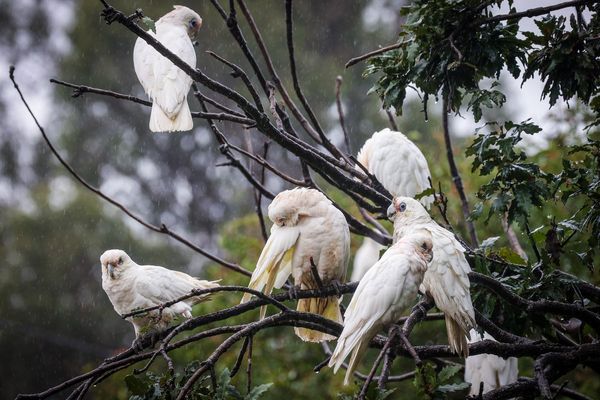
x,y
383,294
309,238
397,163
131,287
446,279
402,169
490,369
166,84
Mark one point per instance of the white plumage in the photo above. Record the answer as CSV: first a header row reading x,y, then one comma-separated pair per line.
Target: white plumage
x,y
402,169
446,279
383,294
366,256
397,163
490,369
130,286
166,84
306,224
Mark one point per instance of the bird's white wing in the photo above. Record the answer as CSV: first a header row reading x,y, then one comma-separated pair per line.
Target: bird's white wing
x,y
171,84
398,164
275,262
380,290
447,278
144,57
158,285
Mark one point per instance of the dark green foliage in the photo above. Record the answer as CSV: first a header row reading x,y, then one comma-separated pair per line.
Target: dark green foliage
x,y
164,387
517,184
447,51
437,384
566,58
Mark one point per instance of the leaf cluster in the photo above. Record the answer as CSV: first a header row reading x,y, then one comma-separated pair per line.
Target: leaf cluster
x,y
445,50
166,387
432,384
518,184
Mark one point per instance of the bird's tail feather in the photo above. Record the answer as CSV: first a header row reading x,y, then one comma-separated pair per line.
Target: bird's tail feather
x,y
354,360
160,121
457,337
328,307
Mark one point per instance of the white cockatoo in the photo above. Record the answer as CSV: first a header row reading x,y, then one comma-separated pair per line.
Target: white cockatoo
x,y
166,84
305,225
383,294
366,256
130,287
446,279
402,169
397,163
490,369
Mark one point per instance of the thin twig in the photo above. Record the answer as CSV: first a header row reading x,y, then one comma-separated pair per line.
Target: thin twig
x,y
338,101
456,175
373,53
533,12
162,229
392,120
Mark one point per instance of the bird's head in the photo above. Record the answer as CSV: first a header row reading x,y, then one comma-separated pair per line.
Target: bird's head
x,y
283,216
114,261
422,242
406,209
186,17
289,206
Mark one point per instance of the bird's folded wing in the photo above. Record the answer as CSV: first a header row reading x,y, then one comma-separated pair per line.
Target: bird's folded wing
x,y
159,285
275,262
172,84
447,278
143,59
378,291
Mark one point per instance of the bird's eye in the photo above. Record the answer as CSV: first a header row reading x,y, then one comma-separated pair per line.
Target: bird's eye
x,y
424,246
193,23
120,260
402,206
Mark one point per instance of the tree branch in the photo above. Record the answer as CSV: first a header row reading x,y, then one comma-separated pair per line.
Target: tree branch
x,y
162,229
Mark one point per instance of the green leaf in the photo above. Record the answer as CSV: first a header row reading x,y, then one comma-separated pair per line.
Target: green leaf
x,y
453,387
258,391
448,372
149,22
136,385
489,242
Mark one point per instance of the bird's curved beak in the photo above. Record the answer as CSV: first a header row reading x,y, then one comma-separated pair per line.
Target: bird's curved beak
x,y
111,270
391,212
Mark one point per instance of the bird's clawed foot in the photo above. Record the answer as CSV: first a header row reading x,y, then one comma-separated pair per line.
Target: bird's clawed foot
x,y
293,292
337,286
148,340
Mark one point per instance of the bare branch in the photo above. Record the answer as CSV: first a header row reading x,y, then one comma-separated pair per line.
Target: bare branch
x,y
162,229
338,101
456,175
373,53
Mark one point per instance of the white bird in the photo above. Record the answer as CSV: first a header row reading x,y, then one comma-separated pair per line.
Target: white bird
x,y
490,369
400,166
306,225
397,163
166,84
130,287
446,279
366,256
383,294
